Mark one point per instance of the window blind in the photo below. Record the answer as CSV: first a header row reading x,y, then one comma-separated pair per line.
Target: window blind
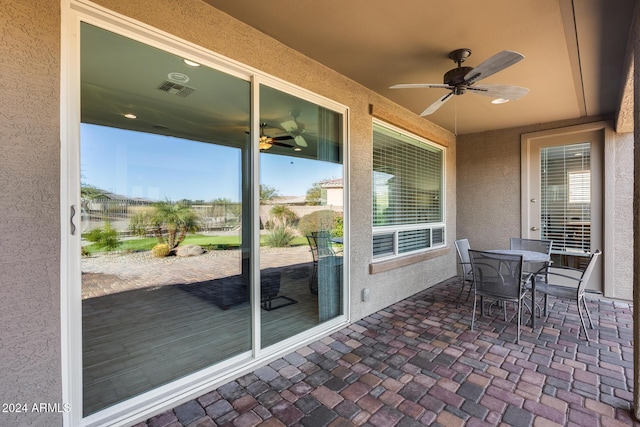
x,y
408,197
566,196
407,179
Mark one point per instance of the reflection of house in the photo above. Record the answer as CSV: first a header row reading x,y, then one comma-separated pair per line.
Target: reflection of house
x,y
333,192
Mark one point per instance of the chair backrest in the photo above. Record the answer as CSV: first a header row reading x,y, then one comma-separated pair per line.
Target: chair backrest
x,y
497,275
314,247
533,245
323,244
462,247
586,273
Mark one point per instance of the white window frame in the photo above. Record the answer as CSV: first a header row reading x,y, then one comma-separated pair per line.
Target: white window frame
x,y
395,230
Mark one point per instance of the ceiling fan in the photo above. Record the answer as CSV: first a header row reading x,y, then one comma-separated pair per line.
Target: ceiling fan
x,y
265,142
461,79
295,129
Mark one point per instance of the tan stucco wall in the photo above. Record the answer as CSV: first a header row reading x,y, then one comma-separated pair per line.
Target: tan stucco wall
x,y
488,195
29,209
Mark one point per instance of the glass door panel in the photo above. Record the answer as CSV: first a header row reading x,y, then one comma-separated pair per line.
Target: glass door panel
x,y
165,200
301,214
564,197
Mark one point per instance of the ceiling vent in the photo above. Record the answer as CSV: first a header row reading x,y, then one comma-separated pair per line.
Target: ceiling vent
x,y
175,88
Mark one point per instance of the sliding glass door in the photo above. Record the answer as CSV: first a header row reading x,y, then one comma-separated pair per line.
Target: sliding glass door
x,y
169,164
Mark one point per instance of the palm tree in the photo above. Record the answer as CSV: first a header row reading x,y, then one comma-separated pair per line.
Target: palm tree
x,y
174,219
168,222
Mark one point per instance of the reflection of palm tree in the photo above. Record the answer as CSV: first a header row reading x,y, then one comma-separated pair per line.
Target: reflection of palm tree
x,y
177,219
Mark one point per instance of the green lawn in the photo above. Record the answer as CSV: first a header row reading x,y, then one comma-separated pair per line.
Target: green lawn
x,y
208,242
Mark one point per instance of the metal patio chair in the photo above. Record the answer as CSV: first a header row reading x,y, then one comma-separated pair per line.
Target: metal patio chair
x,y
559,284
498,277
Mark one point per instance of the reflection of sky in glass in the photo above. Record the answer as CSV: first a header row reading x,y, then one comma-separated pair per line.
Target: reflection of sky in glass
x,y
156,167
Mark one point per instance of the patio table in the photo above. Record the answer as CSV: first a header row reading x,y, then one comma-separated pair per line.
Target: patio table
x,y
527,257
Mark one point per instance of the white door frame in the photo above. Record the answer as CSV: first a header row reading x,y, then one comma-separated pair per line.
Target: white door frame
x,y
608,197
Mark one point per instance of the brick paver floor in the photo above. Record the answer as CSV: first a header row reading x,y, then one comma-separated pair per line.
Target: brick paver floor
x,y
417,362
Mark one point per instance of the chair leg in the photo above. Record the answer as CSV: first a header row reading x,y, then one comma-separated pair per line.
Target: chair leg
x,y
584,301
546,305
518,320
312,279
473,312
582,319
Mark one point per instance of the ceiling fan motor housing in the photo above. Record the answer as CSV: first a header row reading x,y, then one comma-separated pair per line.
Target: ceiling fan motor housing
x,y
455,78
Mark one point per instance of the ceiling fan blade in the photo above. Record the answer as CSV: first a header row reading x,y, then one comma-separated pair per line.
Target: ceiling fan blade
x,y
499,91
420,86
290,125
497,62
281,138
281,144
439,103
300,141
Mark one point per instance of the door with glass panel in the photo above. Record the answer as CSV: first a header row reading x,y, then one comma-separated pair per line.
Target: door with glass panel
x,y
562,200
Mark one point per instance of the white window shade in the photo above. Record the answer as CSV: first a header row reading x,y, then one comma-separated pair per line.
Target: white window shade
x,y
566,197
408,202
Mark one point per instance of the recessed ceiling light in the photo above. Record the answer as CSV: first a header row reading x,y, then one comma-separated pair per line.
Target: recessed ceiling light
x,y
297,149
499,101
178,78
130,116
191,63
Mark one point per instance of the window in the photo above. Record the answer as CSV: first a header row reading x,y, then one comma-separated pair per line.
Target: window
x,y
580,187
565,186
408,193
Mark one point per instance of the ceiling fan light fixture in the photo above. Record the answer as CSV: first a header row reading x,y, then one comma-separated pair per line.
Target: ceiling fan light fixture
x,y
264,143
499,101
190,63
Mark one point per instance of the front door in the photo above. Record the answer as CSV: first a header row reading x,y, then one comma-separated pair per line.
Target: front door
x,y
562,195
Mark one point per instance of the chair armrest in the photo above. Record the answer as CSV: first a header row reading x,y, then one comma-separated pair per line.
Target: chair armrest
x,y
564,267
566,276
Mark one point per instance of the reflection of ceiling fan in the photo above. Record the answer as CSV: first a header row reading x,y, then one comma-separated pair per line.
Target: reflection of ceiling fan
x,y
295,129
462,79
265,142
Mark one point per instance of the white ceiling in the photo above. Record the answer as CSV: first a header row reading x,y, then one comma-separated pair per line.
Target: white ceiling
x,y
574,51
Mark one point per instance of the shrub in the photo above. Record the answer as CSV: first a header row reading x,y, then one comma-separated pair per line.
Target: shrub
x,y
282,215
317,221
338,226
160,250
106,238
279,237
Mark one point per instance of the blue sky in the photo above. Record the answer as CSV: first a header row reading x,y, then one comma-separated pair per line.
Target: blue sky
x,y
137,164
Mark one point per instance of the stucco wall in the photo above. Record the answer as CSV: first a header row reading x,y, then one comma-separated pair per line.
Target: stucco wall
x,y
29,209
488,196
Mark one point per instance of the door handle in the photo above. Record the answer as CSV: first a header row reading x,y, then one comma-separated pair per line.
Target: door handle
x,y
73,214
534,229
